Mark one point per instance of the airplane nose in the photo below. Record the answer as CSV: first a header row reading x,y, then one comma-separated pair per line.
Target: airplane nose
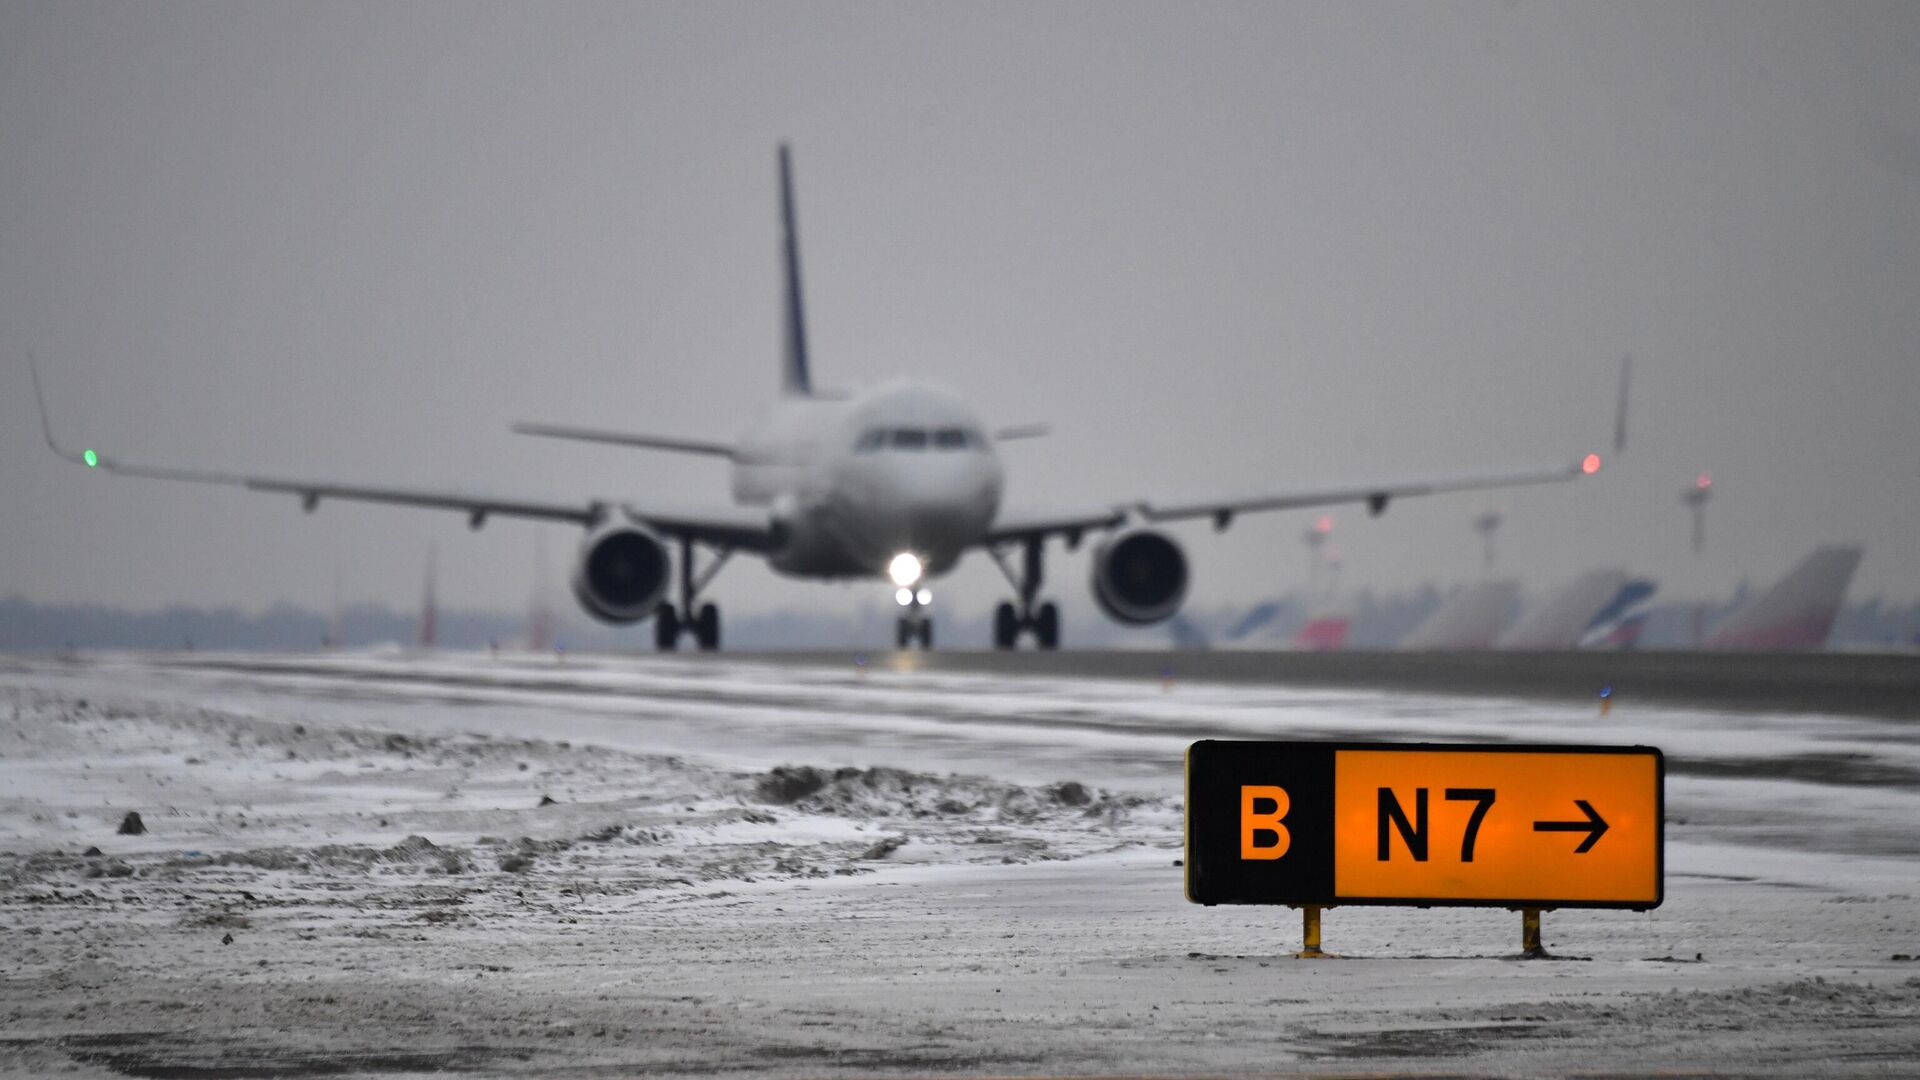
x,y
936,513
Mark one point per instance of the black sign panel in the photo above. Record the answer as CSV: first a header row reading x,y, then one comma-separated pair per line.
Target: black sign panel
x,y
1283,863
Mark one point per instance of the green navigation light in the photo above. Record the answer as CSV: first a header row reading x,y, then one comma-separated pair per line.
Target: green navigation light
x,y
92,459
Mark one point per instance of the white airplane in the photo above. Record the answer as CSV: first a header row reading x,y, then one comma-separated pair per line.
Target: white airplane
x,y
897,481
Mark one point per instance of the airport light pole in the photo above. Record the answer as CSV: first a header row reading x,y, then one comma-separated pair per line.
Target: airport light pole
x,y
1695,496
1316,539
1486,525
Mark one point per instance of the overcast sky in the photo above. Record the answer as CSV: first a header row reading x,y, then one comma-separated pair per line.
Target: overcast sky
x,y
1218,247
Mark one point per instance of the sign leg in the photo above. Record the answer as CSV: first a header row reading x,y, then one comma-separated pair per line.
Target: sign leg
x,y
1530,946
1310,935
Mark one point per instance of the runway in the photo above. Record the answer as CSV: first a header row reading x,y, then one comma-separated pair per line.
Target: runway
x,y
1870,684
908,866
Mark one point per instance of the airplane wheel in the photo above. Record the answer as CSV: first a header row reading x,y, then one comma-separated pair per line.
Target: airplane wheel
x,y
706,628
1046,626
926,633
666,628
902,633
1006,627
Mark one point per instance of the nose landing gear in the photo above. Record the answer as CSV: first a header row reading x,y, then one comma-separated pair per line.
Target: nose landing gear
x,y
704,623
1010,620
915,626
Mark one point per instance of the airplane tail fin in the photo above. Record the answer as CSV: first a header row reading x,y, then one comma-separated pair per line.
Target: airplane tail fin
x,y
795,379
1798,612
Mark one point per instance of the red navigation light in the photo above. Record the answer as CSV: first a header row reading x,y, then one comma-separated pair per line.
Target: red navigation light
x,y
1703,481
1590,464
1325,524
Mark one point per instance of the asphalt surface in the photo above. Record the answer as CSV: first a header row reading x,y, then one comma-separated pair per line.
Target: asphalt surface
x,y
1860,684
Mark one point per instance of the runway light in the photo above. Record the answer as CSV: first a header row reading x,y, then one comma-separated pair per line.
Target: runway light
x,y
925,596
1591,464
92,459
903,596
904,569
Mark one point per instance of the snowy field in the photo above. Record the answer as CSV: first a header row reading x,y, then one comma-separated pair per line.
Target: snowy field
x,y
383,865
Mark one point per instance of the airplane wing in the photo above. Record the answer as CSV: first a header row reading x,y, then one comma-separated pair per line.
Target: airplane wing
x,y
1020,431
1015,527
726,526
624,438
1010,528
740,527
1376,495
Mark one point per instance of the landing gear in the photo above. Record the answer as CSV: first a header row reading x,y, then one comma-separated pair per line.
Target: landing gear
x,y
1006,626
907,633
702,622
666,628
706,628
914,626
1009,620
1046,626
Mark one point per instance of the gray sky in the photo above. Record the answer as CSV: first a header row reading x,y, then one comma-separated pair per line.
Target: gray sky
x,y
1219,247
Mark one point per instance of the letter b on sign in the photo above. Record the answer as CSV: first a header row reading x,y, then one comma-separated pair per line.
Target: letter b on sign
x,y
1262,806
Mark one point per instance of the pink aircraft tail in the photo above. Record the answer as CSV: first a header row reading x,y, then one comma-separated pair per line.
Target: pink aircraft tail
x,y
1325,633
1798,612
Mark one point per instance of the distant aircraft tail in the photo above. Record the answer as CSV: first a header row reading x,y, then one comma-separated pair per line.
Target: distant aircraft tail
x,y
1620,623
1322,633
1470,619
1186,635
795,378
1798,612
1559,622
1256,617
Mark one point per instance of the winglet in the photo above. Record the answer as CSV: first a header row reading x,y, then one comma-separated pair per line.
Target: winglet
x,y
46,425
794,376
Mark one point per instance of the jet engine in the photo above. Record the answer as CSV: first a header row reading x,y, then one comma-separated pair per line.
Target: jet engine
x,y
622,573
1139,577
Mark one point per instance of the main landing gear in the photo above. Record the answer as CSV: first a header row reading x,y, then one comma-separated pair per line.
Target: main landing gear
x,y
704,623
1009,620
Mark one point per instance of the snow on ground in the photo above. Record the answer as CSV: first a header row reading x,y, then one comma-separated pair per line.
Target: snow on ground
x,y
389,865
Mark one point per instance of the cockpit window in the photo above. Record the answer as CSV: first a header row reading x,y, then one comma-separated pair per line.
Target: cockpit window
x,y
948,438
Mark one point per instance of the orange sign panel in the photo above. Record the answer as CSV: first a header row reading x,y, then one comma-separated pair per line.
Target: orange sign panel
x,y
1456,825
1328,823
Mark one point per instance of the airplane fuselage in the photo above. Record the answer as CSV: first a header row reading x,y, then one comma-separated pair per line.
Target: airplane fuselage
x,y
902,468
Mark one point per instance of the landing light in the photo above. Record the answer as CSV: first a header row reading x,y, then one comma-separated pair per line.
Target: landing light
x,y
903,597
1591,465
925,596
904,569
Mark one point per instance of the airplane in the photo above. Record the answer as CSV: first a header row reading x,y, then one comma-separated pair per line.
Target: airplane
x,y
895,482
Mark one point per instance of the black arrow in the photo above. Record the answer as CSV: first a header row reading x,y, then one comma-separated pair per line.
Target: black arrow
x,y
1595,826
